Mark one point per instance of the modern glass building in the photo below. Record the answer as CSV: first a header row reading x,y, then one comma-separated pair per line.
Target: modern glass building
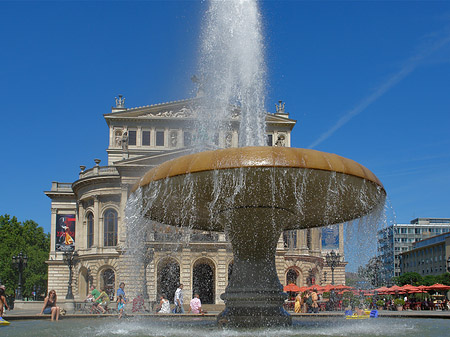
x,y
399,238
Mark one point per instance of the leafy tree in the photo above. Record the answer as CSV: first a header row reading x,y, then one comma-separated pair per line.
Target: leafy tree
x,y
443,279
412,278
30,239
372,271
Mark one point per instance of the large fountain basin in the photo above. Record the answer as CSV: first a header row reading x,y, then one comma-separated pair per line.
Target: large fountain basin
x,y
302,188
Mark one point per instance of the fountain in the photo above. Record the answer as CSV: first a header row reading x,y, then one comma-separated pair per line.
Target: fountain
x,y
253,194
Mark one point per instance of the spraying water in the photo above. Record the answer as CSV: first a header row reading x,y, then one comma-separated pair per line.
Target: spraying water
x,y
251,193
233,74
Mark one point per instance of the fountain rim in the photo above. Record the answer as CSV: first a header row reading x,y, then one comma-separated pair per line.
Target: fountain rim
x,y
256,157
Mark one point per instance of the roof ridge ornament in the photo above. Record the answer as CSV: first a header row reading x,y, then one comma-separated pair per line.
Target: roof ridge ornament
x,y
120,102
280,107
199,82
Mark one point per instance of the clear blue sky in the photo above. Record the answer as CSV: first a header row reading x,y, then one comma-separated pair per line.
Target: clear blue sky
x,y
364,79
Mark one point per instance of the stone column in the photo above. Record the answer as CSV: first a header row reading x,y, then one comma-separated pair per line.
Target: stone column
x,y
53,233
80,228
221,274
97,223
186,275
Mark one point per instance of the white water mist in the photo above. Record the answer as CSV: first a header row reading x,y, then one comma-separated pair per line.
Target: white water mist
x,y
232,74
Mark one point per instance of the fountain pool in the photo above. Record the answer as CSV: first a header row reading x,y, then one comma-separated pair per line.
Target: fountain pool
x,y
189,326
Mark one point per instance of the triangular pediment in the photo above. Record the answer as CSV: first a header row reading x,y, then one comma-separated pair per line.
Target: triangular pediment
x,y
273,118
176,109
180,109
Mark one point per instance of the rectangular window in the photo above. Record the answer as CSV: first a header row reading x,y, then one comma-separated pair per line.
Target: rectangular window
x,y
159,138
145,138
132,137
187,139
269,140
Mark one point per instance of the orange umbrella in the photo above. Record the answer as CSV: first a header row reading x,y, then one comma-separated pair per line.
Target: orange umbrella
x,y
382,290
292,288
423,289
328,288
343,287
411,289
438,287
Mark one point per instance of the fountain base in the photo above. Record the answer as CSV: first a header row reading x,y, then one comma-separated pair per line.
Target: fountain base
x,y
254,296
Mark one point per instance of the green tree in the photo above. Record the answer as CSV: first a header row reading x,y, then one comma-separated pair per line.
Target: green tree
x,y
372,271
29,238
412,278
443,279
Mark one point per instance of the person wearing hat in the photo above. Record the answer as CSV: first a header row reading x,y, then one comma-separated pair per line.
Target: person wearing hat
x,y
3,300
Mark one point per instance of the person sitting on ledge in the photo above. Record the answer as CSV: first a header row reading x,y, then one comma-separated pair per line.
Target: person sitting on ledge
x,y
50,306
164,305
195,306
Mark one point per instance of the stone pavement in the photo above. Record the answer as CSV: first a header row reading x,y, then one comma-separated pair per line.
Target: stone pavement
x,y
21,314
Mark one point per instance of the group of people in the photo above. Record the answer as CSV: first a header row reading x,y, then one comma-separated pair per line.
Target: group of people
x,y
306,302
195,305
100,301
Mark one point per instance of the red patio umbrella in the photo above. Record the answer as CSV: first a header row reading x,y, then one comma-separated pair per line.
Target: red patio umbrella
x,y
328,288
423,289
438,287
396,288
292,288
411,289
382,290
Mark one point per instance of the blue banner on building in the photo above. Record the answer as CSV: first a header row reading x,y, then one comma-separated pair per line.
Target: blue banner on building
x,y
330,237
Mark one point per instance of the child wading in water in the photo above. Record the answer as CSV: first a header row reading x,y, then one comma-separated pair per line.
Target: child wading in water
x,y
120,305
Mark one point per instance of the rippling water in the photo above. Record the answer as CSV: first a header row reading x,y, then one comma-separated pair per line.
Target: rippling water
x,y
207,327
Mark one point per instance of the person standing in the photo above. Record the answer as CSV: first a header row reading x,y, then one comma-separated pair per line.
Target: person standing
x,y
121,291
123,299
178,300
3,300
50,306
298,303
120,305
314,297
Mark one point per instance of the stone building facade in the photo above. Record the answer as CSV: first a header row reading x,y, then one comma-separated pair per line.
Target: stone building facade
x,y
88,215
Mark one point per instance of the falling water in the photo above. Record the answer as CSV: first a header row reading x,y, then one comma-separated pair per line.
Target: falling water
x,y
232,91
232,77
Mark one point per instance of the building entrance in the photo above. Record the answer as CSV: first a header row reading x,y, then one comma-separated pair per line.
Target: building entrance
x,y
168,278
203,281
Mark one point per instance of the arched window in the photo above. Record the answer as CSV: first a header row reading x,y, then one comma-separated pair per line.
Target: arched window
x,y
291,276
108,281
110,228
90,230
168,278
203,280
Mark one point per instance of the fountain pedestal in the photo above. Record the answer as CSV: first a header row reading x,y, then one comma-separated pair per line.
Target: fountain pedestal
x,y
254,296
